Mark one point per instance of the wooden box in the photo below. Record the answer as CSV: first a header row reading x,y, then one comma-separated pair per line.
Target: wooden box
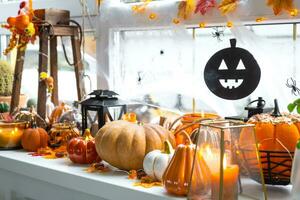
x,y
52,16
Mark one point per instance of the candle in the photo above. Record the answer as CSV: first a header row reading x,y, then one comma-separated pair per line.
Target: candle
x,y
10,137
230,173
230,182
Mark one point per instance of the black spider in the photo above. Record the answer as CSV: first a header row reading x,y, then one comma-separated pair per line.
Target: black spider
x,y
293,86
218,33
140,77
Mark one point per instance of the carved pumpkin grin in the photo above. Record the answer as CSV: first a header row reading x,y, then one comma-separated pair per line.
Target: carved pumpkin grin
x,y
231,83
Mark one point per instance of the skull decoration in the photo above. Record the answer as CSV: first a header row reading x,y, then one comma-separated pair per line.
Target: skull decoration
x,y
232,73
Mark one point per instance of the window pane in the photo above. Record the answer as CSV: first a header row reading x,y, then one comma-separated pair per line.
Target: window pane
x,y
168,66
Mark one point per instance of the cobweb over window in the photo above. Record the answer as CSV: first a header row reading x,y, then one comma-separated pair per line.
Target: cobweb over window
x,y
168,66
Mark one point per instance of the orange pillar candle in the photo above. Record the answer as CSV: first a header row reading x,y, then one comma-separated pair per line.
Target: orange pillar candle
x,y
230,183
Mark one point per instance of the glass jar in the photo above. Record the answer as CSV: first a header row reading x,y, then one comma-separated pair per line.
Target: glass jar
x,y
61,133
11,134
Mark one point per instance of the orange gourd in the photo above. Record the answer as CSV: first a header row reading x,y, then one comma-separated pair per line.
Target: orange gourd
x,y
177,177
34,138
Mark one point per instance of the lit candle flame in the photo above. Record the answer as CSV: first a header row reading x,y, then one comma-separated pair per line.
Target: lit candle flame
x,y
210,156
202,114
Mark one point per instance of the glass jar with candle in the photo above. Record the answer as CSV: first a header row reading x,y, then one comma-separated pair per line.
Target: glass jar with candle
x,y
11,133
61,133
227,157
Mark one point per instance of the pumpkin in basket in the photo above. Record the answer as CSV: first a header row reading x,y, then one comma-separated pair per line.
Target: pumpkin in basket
x,y
177,176
124,144
278,135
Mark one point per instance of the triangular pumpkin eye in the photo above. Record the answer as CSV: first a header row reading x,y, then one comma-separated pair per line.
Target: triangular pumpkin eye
x,y
223,66
241,66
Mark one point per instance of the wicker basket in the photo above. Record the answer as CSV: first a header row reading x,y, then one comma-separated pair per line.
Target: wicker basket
x,y
276,166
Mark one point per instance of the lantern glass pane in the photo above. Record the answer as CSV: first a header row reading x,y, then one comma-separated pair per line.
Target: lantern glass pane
x,y
229,150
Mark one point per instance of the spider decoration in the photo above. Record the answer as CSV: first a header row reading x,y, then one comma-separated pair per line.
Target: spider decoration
x,y
140,77
291,83
218,33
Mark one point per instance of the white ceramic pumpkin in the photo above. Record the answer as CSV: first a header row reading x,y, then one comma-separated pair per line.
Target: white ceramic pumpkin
x,y
156,162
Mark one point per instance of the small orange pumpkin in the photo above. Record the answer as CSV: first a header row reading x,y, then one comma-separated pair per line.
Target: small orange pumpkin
x,y
177,177
34,138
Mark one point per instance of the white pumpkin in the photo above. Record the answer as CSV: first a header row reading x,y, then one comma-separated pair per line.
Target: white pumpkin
x,y
156,162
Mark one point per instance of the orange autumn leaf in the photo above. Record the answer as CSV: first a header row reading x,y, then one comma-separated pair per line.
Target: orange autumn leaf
x,y
97,167
280,5
147,182
186,9
228,6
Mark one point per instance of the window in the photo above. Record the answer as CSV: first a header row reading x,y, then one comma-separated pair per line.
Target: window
x,y
168,65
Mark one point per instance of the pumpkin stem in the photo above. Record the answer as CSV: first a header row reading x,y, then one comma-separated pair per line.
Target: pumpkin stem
x,y
87,134
233,43
276,112
168,149
187,138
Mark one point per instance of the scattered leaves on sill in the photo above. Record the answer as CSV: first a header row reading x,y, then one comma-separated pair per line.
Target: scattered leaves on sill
x,y
97,168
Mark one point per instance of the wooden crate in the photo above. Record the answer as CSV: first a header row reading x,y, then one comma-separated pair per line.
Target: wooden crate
x,y
52,16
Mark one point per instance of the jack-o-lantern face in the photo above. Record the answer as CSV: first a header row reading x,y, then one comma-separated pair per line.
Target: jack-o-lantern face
x,y
232,73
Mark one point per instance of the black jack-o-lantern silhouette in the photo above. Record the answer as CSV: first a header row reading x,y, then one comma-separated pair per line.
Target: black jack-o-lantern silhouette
x,y
232,73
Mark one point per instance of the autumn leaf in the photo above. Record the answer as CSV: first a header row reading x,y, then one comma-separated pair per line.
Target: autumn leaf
x,y
186,9
228,6
204,5
280,5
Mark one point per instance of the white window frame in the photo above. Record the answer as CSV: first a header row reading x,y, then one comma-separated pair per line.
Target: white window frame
x,y
123,19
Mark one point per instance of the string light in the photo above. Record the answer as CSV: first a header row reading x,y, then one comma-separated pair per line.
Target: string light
x,y
202,25
294,12
152,16
176,21
261,19
229,24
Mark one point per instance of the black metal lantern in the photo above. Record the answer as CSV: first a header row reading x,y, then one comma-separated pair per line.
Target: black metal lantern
x,y
105,105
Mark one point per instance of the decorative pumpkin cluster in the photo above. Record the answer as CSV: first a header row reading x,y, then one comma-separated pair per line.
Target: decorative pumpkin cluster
x,y
22,28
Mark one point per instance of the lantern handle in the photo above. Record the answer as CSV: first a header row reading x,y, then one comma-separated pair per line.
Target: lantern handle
x,y
233,43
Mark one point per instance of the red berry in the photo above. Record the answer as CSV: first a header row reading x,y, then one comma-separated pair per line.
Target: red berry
x,y
22,4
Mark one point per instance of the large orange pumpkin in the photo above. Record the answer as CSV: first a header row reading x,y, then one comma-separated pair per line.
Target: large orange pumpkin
x,y
177,177
34,138
124,144
274,134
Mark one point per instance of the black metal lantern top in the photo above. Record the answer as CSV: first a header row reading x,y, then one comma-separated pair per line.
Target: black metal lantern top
x,y
100,101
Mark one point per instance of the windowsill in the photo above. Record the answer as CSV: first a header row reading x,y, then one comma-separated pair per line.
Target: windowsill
x,y
17,167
